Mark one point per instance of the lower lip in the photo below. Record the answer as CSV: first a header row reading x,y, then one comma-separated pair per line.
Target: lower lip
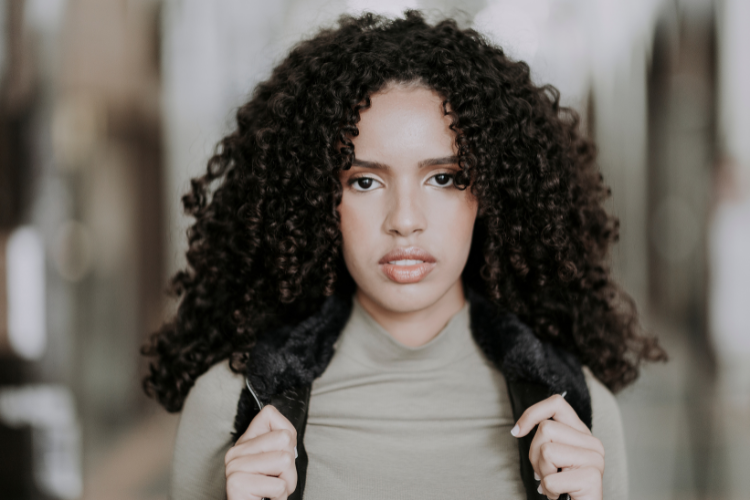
x,y
407,274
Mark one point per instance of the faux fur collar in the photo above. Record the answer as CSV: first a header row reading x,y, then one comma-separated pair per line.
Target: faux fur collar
x,y
294,356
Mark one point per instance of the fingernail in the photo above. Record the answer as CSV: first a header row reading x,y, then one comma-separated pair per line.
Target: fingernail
x,y
536,476
515,430
539,489
564,393
295,452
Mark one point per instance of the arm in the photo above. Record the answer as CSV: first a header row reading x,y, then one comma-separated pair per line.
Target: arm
x,y
204,436
607,426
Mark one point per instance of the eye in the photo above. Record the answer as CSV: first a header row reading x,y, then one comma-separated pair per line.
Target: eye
x,y
363,183
443,179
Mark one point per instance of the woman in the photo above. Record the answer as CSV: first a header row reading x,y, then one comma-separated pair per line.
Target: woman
x,y
397,285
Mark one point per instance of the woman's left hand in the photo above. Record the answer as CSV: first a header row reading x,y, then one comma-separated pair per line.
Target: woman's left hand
x,y
564,454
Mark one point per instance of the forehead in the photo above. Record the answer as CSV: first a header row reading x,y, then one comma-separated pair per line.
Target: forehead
x,y
406,123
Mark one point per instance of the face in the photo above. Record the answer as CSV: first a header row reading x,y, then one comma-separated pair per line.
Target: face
x,y
406,228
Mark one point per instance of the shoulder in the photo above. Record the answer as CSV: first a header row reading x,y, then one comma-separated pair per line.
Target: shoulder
x,y
216,391
603,403
204,435
607,427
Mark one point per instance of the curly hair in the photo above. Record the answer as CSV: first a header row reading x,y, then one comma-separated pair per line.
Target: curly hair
x,y
265,246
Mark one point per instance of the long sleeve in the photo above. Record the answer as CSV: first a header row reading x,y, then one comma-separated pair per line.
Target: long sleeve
x,y
607,427
204,436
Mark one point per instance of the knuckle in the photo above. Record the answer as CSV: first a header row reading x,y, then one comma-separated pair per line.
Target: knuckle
x,y
547,484
523,417
287,459
600,464
230,455
287,439
545,451
278,489
273,409
231,476
544,427
231,468
594,474
281,439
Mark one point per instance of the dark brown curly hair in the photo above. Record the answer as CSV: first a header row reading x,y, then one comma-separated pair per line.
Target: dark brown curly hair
x,y
265,247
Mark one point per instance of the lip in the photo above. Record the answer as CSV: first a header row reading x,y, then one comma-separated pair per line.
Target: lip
x,y
407,274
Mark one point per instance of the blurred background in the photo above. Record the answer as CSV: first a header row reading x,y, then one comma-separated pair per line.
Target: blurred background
x,y
109,107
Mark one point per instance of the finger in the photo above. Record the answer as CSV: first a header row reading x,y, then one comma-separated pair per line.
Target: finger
x,y
550,431
267,419
279,440
249,486
273,463
580,484
554,456
554,407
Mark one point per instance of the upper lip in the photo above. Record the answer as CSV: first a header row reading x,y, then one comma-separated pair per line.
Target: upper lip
x,y
408,253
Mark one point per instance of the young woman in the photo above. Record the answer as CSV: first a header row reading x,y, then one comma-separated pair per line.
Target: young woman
x,y
397,285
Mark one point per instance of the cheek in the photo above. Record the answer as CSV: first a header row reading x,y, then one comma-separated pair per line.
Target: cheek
x,y
455,224
357,225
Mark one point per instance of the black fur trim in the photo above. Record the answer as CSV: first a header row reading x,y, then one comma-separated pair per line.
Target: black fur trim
x,y
295,355
519,354
291,356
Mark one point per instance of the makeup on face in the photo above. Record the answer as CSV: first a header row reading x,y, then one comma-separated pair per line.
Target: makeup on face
x,y
407,265
406,227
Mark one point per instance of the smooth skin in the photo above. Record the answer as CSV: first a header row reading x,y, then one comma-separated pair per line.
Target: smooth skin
x,y
400,193
261,463
562,443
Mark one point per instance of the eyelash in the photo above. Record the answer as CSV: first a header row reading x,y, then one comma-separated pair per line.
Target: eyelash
x,y
354,180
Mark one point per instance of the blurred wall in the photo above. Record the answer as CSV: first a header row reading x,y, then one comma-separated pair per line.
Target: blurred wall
x,y
109,107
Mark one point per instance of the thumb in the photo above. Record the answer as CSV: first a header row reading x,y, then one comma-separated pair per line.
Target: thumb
x,y
268,419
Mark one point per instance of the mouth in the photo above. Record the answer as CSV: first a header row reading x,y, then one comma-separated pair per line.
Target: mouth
x,y
407,265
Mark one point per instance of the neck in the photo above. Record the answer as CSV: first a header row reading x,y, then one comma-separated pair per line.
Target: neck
x,y
416,328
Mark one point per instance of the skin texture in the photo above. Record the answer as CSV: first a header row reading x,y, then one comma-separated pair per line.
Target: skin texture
x,y
397,203
261,463
562,441
400,204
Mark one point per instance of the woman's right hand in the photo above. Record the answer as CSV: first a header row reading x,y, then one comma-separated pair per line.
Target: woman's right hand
x,y
261,463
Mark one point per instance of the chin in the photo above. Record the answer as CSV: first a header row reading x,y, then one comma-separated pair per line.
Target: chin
x,y
404,298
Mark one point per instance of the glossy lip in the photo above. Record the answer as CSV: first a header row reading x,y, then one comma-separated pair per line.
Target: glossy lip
x,y
407,274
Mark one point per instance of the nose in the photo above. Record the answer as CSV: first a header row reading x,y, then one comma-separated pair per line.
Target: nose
x,y
405,214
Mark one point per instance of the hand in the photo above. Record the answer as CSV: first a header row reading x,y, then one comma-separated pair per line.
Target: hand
x,y
261,463
563,444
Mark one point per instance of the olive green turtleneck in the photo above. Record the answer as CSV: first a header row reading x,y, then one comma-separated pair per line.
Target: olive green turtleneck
x,y
388,421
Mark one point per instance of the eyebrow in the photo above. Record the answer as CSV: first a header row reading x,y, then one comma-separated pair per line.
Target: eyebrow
x,y
445,160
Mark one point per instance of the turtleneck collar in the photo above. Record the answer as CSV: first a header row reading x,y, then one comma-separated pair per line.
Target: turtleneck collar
x,y
293,355
365,340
